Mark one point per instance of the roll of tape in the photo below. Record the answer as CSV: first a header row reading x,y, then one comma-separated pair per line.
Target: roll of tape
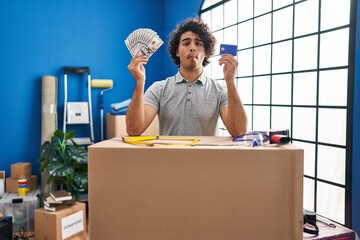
x,y
310,215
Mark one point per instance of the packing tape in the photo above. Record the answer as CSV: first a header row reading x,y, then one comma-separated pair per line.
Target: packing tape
x,y
48,108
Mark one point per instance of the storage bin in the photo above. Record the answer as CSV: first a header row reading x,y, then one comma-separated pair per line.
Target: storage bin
x,y
21,209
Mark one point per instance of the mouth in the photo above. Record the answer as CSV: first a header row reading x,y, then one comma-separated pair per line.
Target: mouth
x,y
192,56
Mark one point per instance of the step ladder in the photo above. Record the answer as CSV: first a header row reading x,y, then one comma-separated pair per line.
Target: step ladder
x,y
78,113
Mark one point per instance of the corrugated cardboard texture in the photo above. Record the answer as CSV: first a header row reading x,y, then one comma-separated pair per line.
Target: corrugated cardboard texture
x,y
12,184
21,170
200,193
48,224
116,126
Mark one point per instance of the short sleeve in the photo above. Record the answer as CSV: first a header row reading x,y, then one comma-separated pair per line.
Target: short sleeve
x,y
223,97
152,95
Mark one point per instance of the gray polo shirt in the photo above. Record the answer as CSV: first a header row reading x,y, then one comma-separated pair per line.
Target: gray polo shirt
x,y
187,109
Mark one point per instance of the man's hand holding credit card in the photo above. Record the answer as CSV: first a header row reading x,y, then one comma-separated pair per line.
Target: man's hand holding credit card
x,y
228,48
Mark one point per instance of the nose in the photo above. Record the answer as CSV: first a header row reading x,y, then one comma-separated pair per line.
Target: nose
x,y
192,49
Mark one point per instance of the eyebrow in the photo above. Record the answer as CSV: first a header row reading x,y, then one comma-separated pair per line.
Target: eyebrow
x,y
187,39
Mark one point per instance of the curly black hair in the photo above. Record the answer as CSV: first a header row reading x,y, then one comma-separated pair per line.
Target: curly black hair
x,y
195,25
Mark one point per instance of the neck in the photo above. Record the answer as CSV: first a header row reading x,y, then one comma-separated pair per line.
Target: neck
x,y
191,75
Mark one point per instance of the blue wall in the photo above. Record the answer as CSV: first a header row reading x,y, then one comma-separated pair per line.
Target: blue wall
x,y
356,134
40,37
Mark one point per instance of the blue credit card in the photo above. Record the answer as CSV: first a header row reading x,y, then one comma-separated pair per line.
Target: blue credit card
x,y
228,48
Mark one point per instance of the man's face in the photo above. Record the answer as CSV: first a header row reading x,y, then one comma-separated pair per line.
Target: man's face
x,y
191,51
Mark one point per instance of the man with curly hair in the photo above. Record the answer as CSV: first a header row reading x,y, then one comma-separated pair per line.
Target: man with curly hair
x,y
189,103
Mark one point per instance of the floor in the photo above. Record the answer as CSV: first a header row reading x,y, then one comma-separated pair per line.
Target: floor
x,y
82,236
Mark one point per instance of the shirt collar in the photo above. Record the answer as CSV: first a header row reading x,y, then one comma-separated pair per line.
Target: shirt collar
x,y
201,80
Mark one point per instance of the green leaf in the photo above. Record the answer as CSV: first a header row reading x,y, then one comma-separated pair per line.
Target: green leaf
x,y
80,182
67,164
69,135
59,134
78,153
57,169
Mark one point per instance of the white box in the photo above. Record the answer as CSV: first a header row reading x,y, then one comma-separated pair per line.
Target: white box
x,y
21,209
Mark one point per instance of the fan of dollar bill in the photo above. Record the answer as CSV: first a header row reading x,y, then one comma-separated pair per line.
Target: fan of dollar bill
x,y
143,41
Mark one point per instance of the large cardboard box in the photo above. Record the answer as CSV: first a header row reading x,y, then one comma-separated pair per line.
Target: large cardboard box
x,y
116,126
195,192
63,224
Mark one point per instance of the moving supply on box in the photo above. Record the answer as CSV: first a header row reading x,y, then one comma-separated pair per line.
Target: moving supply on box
x,y
54,206
160,140
21,209
21,170
60,195
12,184
23,187
62,224
277,136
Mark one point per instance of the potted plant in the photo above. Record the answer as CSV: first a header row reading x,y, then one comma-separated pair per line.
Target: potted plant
x,y
66,162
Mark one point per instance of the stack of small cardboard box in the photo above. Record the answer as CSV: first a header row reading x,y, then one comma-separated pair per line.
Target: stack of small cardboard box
x,y
20,170
62,224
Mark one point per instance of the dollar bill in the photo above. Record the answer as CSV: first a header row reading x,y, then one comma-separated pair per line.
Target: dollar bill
x,y
143,41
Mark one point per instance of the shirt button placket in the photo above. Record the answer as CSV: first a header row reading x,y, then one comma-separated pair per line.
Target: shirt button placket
x,y
189,92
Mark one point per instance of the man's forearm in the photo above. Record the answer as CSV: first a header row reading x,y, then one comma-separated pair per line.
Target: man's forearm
x,y
135,116
237,119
